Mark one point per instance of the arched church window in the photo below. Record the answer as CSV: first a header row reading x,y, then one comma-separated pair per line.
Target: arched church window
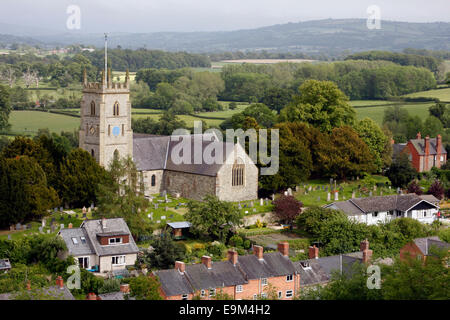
x,y
153,180
92,108
116,108
237,178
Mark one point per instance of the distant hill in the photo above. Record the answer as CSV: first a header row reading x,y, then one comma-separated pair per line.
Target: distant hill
x,y
328,36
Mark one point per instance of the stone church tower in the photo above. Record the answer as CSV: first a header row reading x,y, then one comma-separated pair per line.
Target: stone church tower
x,y
106,119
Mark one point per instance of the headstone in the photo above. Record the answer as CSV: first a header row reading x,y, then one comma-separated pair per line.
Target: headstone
x,y
285,193
246,211
40,229
273,197
156,206
389,187
163,217
318,198
83,210
62,226
239,206
158,221
18,226
55,209
48,230
297,188
9,237
289,191
84,215
89,210
381,192
252,204
353,194
52,228
61,209
357,178
375,188
398,190
11,228
166,208
254,209
261,202
336,196
29,226
310,188
267,202
370,193
92,206
177,195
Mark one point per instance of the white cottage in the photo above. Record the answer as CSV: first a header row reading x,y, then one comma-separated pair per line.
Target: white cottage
x,y
104,245
372,210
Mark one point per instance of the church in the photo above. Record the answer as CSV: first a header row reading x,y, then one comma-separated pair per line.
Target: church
x,y
106,129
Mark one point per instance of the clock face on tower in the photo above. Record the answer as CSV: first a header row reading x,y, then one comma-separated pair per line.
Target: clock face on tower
x,y
116,131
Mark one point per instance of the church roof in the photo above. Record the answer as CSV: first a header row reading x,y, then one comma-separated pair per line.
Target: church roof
x,y
154,153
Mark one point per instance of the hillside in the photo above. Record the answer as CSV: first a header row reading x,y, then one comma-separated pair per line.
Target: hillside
x,y
331,36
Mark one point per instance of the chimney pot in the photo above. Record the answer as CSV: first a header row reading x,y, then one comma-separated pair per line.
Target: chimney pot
x,y
438,145
28,285
427,145
125,288
103,223
259,252
364,245
70,225
313,252
180,266
233,256
206,260
283,248
60,282
91,296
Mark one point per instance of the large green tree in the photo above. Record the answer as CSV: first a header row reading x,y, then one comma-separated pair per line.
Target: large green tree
x,y
5,107
401,172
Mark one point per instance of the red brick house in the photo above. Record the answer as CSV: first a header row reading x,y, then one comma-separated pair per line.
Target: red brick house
x,y
426,153
420,248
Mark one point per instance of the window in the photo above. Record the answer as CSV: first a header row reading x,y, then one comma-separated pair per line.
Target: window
x,y
202,293
391,212
83,262
399,213
264,281
289,278
74,240
442,158
92,153
83,240
289,294
280,294
92,108
212,292
117,260
153,180
184,297
375,214
237,178
239,288
115,240
116,108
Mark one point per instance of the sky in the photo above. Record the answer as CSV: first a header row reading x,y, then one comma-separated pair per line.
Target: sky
x,y
206,15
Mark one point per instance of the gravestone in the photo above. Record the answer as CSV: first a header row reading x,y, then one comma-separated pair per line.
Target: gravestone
x,y
246,211
370,193
261,202
267,201
289,192
52,228
381,192
254,209
252,204
62,226
285,193
166,208
375,188
11,228
353,194
55,209
273,197
336,196
61,209
48,230
18,226
92,206
9,237
239,206
163,217
297,188
158,221
83,210
156,206
84,215
89,210
310,188
318,198
40,229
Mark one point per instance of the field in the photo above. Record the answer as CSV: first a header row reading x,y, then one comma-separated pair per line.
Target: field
x,y
441,94
376,113
28,122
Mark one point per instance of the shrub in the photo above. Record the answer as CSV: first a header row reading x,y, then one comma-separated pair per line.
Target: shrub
x,y
109,285
247,244
236,241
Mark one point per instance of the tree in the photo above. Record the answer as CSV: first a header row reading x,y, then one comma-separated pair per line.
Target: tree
x,y
437,189
400,173
320,104
258,111
5,107
24,193
287,208
414,187
164,254
213,218
369,131
145,288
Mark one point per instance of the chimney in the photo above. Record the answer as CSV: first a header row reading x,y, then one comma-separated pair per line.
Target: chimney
x,y
125,288
419,136
91,296
392,141
60,282
258,251
283,248
313,252
438,146
70,225
206,260
104,223
427,145
367,253
28,285
233,256
180,266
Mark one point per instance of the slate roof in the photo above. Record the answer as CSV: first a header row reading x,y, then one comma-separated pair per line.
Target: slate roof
x,y
54,291
173,282
154,153
358,206
425,244
221,274
80,248
179,225
430,198
419,145
321,270
115,225
397,148
119,295
274,264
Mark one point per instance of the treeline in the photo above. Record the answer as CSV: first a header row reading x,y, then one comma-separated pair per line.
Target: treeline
x,y
404,59
218,56
439,54
358,79
133,60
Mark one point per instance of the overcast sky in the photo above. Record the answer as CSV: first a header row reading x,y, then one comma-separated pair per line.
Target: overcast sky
x,y
208,15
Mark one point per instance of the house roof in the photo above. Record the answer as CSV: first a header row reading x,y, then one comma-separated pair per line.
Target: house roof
x,y
274,264
179,225
80,247
419,145
115,225
397,148
430,198
321,270
55,292
425,244
173,282
154,153
358,206
119,295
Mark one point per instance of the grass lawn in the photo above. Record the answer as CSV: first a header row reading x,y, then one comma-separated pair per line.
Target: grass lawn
x,y
28,122
318,196
441,94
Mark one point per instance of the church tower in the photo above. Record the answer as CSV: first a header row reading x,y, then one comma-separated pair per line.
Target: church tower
x,y
106,117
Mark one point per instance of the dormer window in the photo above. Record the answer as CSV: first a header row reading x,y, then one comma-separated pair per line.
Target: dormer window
x,y
115,240
74,240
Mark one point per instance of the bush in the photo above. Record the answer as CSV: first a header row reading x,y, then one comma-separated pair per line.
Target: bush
x,y
236,241
109,285
247,244
444,235
216,250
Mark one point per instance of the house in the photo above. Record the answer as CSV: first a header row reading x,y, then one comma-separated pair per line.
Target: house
x,y
5,265
57,292
372,210
122,294
425,154
318,271
246,277
179,229
421,248
103,245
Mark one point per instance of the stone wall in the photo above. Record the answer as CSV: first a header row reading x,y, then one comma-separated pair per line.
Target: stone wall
x,y
189,185
159,181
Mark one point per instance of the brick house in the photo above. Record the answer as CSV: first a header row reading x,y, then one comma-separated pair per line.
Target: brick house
x,y
421,248
245,277
104,245
427,153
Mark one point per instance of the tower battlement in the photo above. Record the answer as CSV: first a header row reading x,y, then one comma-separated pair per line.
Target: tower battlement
x,y
108,87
